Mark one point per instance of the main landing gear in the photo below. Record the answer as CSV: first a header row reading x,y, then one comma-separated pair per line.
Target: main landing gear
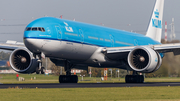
x,y
135,78
68,78
39,69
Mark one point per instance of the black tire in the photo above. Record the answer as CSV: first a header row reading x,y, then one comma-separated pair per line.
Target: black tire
x,y
37,70
68,79
42,70
127,79
134,79
74,78
141,78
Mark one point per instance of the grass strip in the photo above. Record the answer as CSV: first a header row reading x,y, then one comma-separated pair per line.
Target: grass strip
x,y
92,94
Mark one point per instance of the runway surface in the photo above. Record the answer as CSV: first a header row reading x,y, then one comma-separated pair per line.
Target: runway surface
x,y
88,85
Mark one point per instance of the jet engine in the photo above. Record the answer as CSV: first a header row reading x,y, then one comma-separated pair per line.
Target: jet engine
x,y
144,59
21,60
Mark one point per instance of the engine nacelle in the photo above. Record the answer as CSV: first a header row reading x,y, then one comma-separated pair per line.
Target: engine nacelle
x,y
144,59
21,60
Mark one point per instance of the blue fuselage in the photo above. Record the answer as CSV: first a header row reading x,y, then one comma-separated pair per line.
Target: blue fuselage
x,y
76,32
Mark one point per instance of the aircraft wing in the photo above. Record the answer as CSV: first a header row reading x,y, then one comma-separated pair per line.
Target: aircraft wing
x,y
161,48
164,48
11,45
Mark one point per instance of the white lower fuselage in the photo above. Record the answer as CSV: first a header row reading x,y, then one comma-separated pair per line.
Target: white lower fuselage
x,y
77,53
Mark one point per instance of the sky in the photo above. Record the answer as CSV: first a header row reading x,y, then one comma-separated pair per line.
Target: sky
x,y
129,15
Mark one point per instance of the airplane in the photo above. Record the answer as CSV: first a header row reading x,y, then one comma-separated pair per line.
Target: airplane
x,y
78,45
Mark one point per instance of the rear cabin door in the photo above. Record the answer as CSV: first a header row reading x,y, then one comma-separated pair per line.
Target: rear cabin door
x,y
112,40
81,35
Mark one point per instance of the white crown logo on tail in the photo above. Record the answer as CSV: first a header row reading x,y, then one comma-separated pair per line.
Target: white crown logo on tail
x,y
156,13
155,26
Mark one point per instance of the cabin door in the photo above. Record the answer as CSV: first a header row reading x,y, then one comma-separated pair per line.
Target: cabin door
x,y
59,32
112,40
81,35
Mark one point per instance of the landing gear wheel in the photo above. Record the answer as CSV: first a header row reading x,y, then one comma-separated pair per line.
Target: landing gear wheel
x,y
134,79
42,70
37,70
68,79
